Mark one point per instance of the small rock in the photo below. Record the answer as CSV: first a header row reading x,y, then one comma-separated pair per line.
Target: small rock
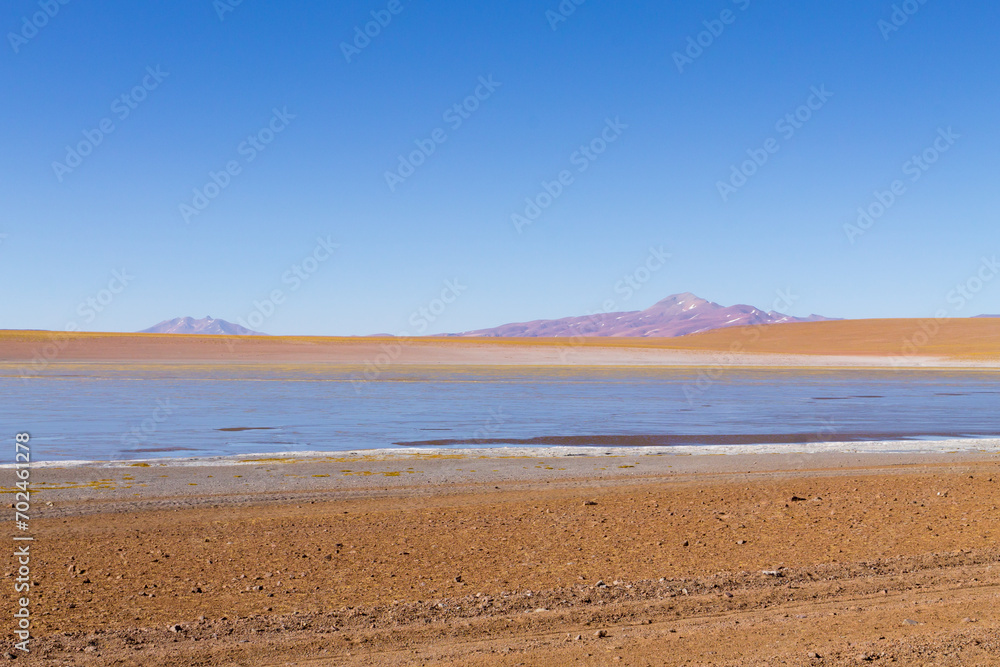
x,y
864,657
728,594
910,621
771,573
685,543
601,633
741,541
814,655
589,502
684,591
797,499
968,620
600,584
175,628
89,649
458,579
579,637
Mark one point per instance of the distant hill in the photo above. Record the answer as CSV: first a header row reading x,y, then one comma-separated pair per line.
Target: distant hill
x,y
204,326
986,315
677,315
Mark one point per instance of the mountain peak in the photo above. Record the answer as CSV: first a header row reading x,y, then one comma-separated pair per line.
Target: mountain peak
x,y
205,326
676,315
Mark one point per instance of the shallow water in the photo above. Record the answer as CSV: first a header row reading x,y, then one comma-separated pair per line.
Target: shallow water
x,y
104,411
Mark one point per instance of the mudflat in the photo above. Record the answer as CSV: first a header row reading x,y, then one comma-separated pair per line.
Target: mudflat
x,y
825,559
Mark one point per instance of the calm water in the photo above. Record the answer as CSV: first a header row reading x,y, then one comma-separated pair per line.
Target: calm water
x,y
105,412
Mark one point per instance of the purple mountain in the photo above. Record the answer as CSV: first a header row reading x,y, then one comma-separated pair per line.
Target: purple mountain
x,y
676,315
205,326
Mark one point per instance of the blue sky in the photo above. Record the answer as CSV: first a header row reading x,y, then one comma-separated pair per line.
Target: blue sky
x,y
553,86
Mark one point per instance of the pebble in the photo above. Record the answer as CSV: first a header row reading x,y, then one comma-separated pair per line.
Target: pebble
x,y
814,655
910,621
175,628
601,633
589,502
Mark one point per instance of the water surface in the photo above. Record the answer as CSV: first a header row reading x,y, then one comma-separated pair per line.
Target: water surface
x,y
105,411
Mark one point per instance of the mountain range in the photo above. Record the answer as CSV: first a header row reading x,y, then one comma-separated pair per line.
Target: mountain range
x,y
676,315
205,326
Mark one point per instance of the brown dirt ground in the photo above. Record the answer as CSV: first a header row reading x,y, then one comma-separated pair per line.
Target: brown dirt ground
x,y
898,565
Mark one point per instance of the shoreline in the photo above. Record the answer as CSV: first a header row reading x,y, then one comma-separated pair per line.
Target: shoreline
x,y
402,454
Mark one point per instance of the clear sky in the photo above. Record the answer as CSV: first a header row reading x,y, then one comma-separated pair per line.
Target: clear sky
x,y
308,129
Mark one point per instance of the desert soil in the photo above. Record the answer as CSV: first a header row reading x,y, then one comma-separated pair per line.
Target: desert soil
x,y
720,561
955,343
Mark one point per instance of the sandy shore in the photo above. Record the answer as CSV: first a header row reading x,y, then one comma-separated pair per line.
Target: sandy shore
x,y
711,560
